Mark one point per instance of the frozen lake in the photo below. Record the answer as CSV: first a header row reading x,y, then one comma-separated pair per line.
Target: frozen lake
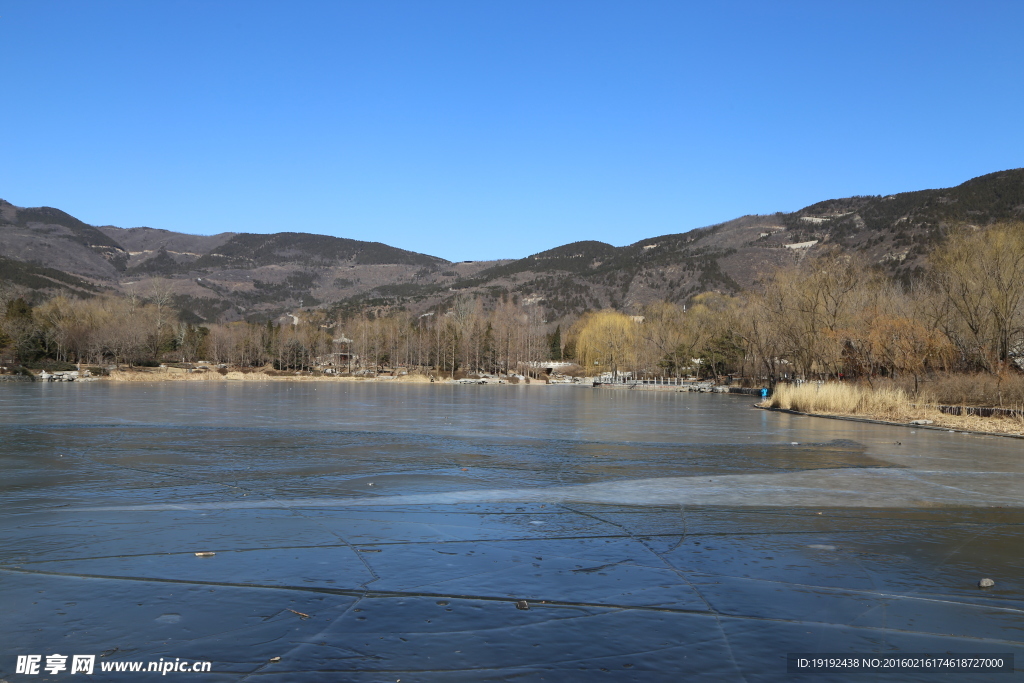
x,y
378,532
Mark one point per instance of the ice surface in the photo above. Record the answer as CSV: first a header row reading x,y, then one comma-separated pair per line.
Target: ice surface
x,y
880,488
655,538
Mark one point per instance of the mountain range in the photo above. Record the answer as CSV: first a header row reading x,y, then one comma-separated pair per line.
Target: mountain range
x,y
232,276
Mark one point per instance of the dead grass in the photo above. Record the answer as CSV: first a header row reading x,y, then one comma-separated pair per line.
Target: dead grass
x,y
573,371
161,375
891,404
981,389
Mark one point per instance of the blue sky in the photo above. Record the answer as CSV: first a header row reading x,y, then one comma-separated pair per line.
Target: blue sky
x,y
480,130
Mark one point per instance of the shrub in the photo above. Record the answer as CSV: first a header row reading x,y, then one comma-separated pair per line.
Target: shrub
x,y
51,365
982,389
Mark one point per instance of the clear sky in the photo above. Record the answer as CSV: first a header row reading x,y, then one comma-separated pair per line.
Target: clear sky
x,y
496,129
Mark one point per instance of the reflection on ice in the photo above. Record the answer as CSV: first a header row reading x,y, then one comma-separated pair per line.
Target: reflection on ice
x,y
853,488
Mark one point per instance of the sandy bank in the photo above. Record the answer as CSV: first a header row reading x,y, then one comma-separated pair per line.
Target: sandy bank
x,y
993,426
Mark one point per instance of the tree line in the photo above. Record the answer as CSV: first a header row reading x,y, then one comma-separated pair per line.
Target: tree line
x,y
833,316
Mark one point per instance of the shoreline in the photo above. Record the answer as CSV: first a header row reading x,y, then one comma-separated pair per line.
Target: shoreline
x,y
237,376
949,426
121,376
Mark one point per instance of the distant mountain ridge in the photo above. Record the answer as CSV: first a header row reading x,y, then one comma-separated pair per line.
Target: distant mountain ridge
x,y
229,275
244,275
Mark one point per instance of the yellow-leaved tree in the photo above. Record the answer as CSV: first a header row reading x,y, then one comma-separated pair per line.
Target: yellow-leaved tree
x,y
607,341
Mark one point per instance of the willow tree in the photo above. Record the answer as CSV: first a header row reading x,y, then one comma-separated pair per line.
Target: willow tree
x,y
606,340
663,337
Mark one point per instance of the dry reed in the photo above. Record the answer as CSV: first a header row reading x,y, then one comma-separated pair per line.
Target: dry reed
x,y
890,404
843,399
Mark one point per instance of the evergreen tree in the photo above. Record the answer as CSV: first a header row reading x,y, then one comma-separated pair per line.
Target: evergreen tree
x,y
488,349
18,309
555,343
